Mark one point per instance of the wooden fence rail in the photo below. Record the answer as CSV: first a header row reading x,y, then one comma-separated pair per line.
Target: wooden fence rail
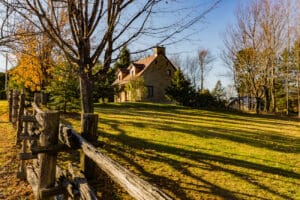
x,y
42,137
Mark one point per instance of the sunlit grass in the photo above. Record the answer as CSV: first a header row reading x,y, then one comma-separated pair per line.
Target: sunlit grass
x,y
10,186
200,154
6,131
196,154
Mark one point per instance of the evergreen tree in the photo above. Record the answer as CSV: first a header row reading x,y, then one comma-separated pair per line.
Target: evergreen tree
x,y
219,91
180,89
124,59
103,88
64,88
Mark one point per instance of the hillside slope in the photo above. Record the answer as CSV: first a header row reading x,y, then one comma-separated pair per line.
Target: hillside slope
x,y
200,154
190,154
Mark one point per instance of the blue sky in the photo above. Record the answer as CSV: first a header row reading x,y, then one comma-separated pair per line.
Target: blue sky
x,y
209,37
207,34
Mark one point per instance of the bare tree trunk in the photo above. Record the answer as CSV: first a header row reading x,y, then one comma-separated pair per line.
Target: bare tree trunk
x,y
86,91
205,59
201,78
257,104
288,60
239,101
267,98
273,92
287,90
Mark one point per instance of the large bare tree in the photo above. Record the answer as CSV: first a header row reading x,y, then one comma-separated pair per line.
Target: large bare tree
x,y
264,27
7,28
97,29
272,21
191,69
205,59
243,44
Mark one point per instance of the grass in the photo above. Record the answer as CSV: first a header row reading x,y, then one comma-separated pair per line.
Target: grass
x,y
190,154
7,137
201,154
11,188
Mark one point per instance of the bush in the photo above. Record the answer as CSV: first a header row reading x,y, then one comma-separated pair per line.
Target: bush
x,y
182,92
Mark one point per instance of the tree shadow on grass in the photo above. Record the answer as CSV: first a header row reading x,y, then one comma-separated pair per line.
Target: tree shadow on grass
x,y
269,140
200,157
141,144
254,129
168,183
175,109
282,144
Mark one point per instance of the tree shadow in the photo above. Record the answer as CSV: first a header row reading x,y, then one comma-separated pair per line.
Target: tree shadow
x,y
119,143
270,140
138,144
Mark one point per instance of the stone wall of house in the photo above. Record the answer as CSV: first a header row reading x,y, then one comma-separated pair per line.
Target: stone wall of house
x,y
159,76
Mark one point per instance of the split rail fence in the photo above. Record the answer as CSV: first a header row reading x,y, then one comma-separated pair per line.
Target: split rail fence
x,y
41,137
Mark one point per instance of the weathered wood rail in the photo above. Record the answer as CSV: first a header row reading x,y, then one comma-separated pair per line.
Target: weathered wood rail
x,y
42,137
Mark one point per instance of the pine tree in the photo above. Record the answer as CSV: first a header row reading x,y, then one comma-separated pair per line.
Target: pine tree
x,y
64,88
124,59
180,90
103,88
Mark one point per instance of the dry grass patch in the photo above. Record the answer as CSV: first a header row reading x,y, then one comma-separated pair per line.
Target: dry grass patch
x,y
10,187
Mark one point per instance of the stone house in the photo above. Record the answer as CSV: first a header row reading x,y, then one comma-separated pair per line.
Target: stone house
x,y
156,71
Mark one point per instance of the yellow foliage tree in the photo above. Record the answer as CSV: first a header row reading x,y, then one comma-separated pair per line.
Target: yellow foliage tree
x,y
34,64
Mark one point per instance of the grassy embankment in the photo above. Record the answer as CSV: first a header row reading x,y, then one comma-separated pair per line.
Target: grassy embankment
x,y
199,154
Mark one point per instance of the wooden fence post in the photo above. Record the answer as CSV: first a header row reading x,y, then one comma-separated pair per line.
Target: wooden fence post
x,y
20,115
47,161
22,168
15,107
10,103
90,133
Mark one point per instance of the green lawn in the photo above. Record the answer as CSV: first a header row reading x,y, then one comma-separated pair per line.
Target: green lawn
x,y
200,154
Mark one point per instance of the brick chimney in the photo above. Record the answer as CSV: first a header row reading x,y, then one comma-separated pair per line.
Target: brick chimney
x,y
159,50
